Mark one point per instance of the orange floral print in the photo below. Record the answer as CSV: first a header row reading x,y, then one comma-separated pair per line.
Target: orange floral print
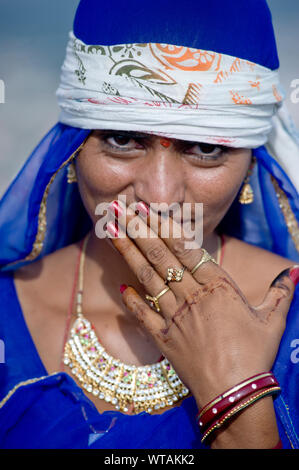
x,y
255,84
276,94
193,93
237,66
183,58
221,76
239,99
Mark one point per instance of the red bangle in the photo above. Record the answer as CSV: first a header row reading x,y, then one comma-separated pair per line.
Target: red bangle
x,y
232,390
231,399
239,407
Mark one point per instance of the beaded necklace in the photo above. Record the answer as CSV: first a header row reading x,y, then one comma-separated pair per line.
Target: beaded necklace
x,y
127,387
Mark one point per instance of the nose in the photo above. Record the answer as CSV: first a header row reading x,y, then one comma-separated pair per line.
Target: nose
x,y
161,177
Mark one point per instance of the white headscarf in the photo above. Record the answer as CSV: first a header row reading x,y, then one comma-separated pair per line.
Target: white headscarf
x,y
179,92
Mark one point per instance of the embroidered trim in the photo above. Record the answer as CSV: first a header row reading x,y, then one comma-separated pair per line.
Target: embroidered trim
x,y
42,215
289,439
21,384
288,214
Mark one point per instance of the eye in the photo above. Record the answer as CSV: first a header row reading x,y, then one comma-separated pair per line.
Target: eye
x,y
206,154
205,150
121,142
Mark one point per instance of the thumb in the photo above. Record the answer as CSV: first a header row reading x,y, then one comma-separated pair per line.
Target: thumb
x,y
280,295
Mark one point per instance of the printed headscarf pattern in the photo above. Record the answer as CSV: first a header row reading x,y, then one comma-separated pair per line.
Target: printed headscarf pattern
x,y
205,96
180,92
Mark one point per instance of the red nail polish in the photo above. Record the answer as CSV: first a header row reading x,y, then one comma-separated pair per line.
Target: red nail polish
x,y
143,208
116,209
112,229
122,288
294,274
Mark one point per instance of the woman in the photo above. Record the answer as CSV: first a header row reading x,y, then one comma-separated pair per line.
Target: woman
x,y
156,123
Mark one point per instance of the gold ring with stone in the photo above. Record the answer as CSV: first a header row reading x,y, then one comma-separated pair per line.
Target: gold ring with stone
x,y
204,259
154,301
174,274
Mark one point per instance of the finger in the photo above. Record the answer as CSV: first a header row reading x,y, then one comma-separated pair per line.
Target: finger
x,y
154,250
189,251
152,322
145,273
178,236
277,301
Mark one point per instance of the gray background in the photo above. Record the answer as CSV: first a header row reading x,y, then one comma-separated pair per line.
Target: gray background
x,y
33,36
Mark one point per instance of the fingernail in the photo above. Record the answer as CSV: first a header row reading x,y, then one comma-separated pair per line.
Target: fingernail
x,y
143,208
122,288
115,208
294,274
280,277
112,229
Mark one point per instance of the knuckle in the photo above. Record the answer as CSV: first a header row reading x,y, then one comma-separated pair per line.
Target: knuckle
x,y
136,306
124,245
215,286
179,249
145,274
191,298
156,254
140,310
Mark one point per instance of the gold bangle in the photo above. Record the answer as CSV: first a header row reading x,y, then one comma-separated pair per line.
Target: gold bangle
x,y
240,407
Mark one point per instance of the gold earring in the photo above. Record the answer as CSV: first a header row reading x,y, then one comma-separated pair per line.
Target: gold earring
x,y
246,195
71,173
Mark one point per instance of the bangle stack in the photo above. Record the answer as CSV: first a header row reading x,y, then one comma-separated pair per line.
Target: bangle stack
x,y
222,408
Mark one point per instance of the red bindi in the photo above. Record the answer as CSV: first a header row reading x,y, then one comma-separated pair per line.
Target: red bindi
x,y
165,142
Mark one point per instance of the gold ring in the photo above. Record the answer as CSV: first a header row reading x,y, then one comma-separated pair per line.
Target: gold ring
x,y
154,301
174,274
205,258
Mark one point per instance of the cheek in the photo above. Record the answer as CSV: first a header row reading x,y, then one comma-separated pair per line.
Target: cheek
x,y
216,189
100,180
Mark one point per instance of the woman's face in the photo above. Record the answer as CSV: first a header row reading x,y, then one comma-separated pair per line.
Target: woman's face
x,y
145,168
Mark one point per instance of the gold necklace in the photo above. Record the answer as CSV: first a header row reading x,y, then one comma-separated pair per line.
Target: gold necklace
x,y
127,387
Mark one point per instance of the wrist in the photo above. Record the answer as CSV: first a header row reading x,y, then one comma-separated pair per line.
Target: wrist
x,y
254,427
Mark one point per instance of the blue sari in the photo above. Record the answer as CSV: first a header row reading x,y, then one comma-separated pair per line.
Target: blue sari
x,y
41,411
